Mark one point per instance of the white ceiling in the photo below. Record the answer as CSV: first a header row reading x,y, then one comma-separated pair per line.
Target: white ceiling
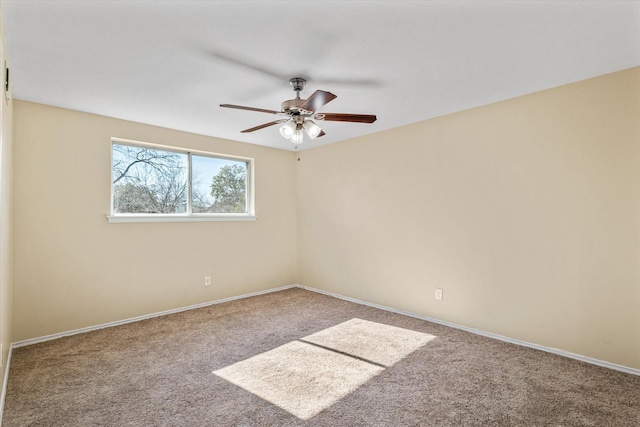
x,y
171,63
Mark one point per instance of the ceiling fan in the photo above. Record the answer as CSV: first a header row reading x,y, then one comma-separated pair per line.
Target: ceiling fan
x,y
300,113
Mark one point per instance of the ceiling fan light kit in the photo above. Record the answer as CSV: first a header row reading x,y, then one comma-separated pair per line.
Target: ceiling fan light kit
x,y
300,112
288,129
312,129
297,137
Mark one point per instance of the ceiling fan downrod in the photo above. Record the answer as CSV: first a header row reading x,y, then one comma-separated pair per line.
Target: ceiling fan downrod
x,y
297,83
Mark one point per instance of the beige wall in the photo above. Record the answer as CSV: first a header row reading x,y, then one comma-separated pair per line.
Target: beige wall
x,y
72,269
6,176
526,212
6,234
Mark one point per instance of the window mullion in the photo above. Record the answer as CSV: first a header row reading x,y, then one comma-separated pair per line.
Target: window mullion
x,y
189,184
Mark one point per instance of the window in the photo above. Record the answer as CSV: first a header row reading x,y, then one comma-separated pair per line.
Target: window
x,y
153,183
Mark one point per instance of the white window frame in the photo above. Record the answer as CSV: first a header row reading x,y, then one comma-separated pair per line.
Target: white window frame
x,y
188,216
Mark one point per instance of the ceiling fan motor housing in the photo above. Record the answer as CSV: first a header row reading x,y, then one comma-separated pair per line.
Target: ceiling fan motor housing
x,y
291,106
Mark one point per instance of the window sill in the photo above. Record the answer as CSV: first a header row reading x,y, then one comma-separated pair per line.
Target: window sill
x,y
178,218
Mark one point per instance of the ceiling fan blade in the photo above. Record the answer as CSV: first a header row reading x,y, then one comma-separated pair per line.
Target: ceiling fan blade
x,y
321,134
240,107
340,117
262,126
253,66
317,100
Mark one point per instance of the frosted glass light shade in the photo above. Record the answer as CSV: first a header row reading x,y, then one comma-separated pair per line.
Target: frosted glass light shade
x,y
297,137
312,129
288,129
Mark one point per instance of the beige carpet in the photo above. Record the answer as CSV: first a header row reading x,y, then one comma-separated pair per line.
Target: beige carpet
x,y
297,358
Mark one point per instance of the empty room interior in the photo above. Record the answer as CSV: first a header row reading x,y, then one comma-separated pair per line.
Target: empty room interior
x,y
320,213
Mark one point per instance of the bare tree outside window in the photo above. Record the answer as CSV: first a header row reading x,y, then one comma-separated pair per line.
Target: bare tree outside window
x,y
149,181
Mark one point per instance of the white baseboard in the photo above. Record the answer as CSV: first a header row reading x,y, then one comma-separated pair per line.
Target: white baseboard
x,y
144,317
560,352
564,353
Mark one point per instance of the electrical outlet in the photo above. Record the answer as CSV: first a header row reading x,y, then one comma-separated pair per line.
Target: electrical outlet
x,y
207,280
438,294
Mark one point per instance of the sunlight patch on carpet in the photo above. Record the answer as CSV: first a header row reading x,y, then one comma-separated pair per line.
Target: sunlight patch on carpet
x,y
376,342
306,376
